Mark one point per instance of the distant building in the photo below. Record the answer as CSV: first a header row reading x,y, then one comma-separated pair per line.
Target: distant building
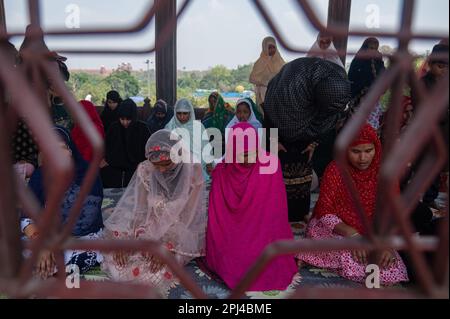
x,y
103,71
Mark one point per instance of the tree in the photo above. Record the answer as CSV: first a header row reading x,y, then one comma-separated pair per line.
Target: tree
x,y
123,82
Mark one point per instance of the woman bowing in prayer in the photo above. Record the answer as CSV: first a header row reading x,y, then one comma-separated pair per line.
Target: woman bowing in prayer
x,y
242,219
305,101
335,215
164,202
265,68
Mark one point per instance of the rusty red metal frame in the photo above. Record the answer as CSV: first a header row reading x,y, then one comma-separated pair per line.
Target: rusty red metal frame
x,y
393,209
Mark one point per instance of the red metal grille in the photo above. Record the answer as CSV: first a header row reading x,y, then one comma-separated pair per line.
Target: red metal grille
x,y
392,210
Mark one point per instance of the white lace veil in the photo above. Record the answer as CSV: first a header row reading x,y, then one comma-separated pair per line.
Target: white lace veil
x,y
167,207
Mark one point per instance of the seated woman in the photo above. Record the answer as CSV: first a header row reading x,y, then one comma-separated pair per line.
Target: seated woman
x,y
183,122
218,114
124,147
163,203
245,113
335,216
243,220
90,221
160,116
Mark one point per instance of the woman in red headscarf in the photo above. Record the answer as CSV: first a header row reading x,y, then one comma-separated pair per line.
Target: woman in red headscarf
x,y
335,215
79,138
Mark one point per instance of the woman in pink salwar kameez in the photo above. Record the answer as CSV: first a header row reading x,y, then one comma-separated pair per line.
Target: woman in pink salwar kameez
x,y
335,215
247,212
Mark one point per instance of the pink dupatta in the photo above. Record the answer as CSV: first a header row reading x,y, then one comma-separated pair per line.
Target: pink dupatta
x,y
247,212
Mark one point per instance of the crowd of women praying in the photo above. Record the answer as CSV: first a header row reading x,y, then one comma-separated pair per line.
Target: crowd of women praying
x,y
225,213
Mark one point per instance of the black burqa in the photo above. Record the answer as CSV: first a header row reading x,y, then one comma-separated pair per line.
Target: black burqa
x,y
365,70
305,101
109,116
155,123
124,147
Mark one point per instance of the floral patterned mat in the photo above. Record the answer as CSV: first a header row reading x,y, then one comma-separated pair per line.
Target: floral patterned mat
x,y
307,276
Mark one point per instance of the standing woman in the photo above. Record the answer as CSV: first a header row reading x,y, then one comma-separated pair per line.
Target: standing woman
x,y
324,48
363,73
335,215
110,112
265,68
305,101
124,147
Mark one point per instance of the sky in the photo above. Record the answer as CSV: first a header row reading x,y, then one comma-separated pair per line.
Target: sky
x,y
213,32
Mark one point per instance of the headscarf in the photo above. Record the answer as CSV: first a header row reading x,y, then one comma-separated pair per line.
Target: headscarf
x,y
125,146
79,138
90,220
113,96
153,122
330,54
266,67
256,110
438,54
253,121
109,116
306,100
335,199
127,109
218,115
364,71
241,212
196,142
165,207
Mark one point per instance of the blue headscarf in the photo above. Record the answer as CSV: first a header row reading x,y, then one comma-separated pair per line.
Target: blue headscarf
x,y
90,220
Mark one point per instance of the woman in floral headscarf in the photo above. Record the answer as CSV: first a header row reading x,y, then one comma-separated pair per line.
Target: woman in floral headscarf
x,y
164,202
335,215
265,68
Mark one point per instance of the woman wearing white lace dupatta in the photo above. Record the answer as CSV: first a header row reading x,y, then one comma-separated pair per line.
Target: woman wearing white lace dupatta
x,y
164,202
